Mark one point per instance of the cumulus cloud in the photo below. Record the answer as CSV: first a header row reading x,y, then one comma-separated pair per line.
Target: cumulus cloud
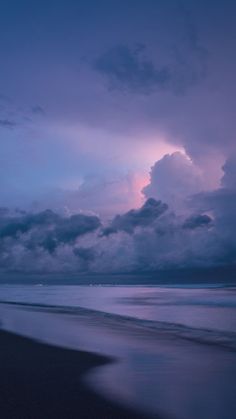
x,y
221,204
173,179
149,238
146,239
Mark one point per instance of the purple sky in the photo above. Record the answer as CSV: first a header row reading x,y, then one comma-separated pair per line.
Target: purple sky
x,y
105,104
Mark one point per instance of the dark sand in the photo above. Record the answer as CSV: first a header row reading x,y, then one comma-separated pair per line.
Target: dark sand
x,y
39,381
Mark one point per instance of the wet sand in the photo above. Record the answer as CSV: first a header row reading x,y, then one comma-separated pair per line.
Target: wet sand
x,y
40,381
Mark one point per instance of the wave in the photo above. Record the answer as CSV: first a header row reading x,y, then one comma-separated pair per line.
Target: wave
x,y
156,328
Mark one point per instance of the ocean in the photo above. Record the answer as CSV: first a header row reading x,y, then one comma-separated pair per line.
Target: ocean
x,y
174,348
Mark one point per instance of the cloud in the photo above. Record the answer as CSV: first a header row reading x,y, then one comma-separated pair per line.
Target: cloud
x,y
146,239
77,225
222,201
38,110
229,168
151,237
46,229
221,204
7,123
104,195
173,179
162,243
142,217
190,65
196,221
127,69
12,226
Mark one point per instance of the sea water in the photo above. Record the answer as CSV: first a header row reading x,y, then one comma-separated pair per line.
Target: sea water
x,y
175,347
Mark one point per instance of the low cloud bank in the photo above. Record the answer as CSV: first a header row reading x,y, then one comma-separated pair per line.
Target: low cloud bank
x,y
158,235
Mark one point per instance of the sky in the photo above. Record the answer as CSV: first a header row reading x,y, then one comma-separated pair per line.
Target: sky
x,y
107,108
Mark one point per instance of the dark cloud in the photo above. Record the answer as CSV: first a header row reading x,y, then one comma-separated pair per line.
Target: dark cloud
x,y
191,56
7,123
150,238
196,221
12,226
221,204
142,217
128,70
86,254
47,229
77,225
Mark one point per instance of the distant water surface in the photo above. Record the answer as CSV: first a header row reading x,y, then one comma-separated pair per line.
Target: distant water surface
x,y
196,307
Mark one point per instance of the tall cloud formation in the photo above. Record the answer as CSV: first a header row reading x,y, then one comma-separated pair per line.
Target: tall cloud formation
x,y
173,179
150,238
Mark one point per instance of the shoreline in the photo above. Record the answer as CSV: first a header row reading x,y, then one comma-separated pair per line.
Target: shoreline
x,y
40,381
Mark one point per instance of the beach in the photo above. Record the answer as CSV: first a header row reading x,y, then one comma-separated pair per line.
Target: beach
x,y
40,381
117,352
